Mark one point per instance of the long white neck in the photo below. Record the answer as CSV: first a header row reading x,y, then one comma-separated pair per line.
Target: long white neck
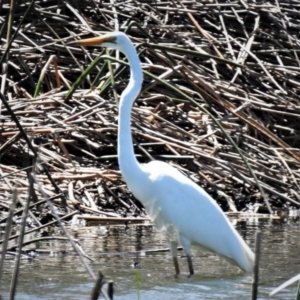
x,y
129,166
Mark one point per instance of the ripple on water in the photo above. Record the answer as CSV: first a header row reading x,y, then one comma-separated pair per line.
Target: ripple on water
x,y
115,252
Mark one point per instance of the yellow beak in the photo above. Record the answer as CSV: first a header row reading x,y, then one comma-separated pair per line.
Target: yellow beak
x,y
96,41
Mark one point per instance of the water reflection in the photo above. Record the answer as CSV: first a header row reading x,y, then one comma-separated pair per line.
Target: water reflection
x,y
115,251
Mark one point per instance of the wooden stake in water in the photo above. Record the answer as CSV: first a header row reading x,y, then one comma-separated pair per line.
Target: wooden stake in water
x,y
256,265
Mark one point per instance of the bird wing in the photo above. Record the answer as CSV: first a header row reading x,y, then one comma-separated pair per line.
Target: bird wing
x,y
179,203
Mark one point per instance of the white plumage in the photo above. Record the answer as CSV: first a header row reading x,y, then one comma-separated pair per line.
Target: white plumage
x,y
177,205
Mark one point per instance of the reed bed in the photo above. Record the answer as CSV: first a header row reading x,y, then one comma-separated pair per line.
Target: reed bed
x,y
220,102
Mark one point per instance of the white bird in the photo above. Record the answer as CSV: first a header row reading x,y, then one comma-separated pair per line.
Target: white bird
x,y
177,205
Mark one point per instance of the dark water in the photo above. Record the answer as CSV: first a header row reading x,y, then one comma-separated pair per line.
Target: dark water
x,y
59,276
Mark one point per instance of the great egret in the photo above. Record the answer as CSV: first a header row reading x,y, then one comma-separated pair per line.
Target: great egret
x,y
176,204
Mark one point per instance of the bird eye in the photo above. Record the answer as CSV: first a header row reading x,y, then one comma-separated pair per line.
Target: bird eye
x,y
112,39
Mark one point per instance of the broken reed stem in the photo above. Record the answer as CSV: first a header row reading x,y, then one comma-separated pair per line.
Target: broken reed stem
x,y
256,265
298,291
13,285
97,286
7,231
110,289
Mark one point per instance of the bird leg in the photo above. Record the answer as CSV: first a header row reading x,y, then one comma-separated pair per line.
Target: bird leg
x,y
186,244
173,248
176,265
190,263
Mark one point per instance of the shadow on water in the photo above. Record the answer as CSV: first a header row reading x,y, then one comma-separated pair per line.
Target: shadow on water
x,y
115,252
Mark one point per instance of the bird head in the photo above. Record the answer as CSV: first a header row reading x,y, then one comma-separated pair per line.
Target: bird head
x,y
113,40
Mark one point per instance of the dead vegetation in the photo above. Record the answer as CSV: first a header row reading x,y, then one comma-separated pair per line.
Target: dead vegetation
x,y
235,62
